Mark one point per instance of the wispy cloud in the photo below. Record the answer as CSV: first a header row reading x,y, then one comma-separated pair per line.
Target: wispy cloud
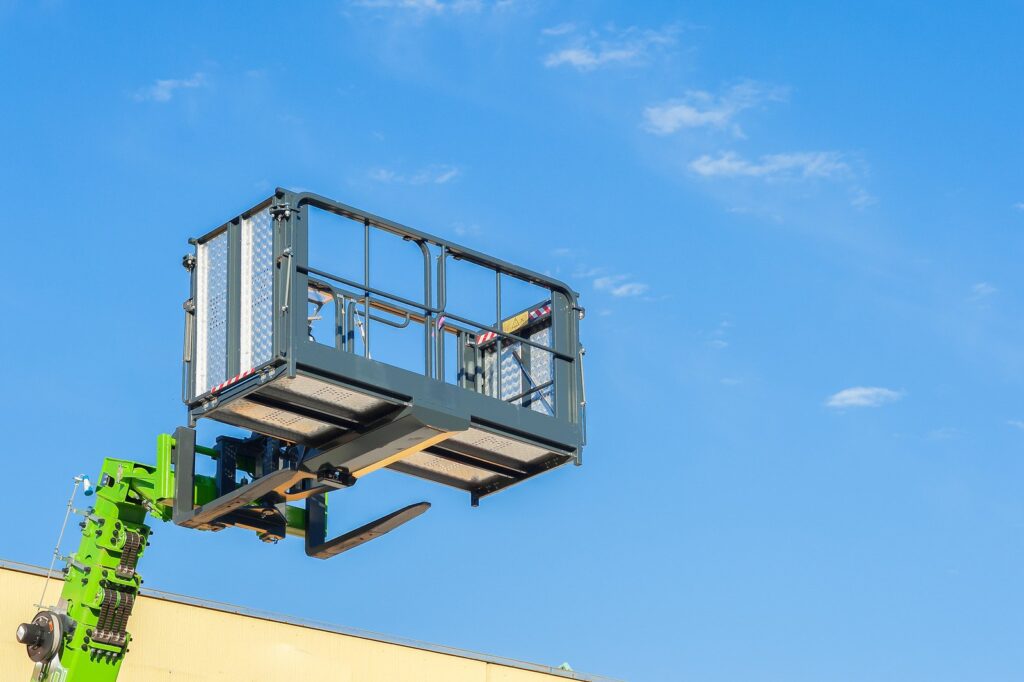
x,y
791,165
620,286
700,109
1016,423
431,175
424,6
163,90
718,338
467,229
863,396
861,198
586,51
559,30
982,290
944,433
603,279
1019,206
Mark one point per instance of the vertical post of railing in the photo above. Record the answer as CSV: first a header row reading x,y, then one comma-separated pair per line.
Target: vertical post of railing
x,y
350,326
428,322
460,341
442,302
366,291
295,221
563,340
500,339
339,319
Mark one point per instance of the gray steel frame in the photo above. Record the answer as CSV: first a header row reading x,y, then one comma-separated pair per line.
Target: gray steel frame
x,y
296,355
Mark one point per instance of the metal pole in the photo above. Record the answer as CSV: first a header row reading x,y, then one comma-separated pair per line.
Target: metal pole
x,y
60,538
366,292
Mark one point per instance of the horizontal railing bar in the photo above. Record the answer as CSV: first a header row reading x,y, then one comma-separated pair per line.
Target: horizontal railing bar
x,y
387,307
307,270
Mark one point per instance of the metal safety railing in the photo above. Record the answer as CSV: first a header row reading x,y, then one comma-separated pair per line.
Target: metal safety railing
x,y
259,291
359,304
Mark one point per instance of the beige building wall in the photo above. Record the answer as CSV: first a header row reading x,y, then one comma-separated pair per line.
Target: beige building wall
x,y
181,640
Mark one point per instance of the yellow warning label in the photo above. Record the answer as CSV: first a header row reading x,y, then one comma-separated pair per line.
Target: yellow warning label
x,y
513,323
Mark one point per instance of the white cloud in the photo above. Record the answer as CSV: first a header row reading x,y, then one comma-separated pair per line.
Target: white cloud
x,y
982,290
163,90
560,29
861,198
1016,423
801,165
717,339
945,433
620,286
1019,206
586,59
591,50
466,230
863,396
431,175
425,6
700,109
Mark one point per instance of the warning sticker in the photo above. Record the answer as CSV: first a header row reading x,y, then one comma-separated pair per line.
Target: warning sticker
x,y
518,322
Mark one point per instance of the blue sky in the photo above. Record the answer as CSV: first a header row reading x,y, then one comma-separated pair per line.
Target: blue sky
x,y
797,229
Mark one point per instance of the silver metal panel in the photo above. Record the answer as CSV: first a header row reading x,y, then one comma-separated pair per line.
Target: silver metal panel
x,y
502,445
522,367
257,291
510,381
275,422
329,395
211,313
511,371
462,472
542,371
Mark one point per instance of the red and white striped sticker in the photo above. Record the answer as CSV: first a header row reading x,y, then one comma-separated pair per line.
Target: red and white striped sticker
x,y
540,312
233,380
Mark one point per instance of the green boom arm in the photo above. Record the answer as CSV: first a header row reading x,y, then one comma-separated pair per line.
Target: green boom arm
x,y
85,638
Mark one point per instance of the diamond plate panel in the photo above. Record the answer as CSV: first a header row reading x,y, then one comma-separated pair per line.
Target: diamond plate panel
x,y
521,368
511,371
541,371
257,313
212,313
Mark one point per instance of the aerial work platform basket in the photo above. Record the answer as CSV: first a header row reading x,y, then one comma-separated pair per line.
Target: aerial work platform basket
x,y
375,345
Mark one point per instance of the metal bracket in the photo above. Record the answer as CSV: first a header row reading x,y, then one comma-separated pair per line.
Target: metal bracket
x,y
281,210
